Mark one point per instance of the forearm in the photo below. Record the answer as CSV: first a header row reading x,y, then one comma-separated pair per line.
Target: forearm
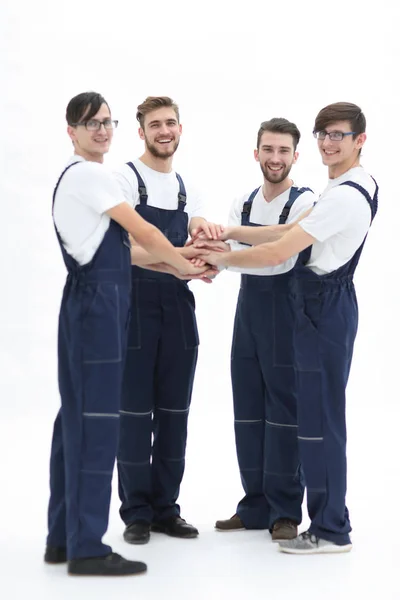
x,y
161,250
258,235
266,255
159,267
142,258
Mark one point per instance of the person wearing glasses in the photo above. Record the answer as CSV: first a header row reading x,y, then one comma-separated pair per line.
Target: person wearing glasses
x,y
163,338
91,220
330,241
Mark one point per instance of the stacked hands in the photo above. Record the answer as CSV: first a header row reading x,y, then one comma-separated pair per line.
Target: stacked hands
x,y
206,244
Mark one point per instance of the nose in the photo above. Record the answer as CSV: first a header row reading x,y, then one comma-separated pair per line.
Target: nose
x,y
275,157
326,142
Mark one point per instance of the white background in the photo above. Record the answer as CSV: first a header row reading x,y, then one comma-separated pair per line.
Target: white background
x,y
229,66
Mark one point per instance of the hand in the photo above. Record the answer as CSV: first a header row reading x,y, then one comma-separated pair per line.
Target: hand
x,y
190,252
216,245
210,231
215,258
222,236
190,269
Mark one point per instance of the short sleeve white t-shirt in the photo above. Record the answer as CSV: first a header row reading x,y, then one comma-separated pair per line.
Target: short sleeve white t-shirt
x,y
86,191
162,189
339,221
268,213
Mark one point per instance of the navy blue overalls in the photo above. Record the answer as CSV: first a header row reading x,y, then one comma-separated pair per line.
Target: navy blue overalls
x,y
326,326
159,372
264,394
91,350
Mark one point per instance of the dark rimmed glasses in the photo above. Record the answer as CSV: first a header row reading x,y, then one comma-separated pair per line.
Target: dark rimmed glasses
x,y
95,124
334,136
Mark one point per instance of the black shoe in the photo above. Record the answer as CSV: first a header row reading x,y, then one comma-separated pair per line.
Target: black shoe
x,y
175,527
111,564
55,556
137,533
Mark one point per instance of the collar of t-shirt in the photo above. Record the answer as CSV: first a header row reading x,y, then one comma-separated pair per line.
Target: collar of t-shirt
x,y
349,175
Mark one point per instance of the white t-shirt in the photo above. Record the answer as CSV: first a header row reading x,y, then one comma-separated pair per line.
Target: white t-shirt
x,y
86,191
339,221
162,189
268,213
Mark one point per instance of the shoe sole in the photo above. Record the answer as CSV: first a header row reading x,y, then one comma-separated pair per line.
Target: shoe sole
x,y
183,537
137,542
105,574
335,549
230,530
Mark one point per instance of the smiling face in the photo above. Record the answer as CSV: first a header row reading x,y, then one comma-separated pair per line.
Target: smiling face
x,y
92,145
161,132
340,156
276,156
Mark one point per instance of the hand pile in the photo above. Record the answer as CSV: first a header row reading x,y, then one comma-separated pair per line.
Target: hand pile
x,y
204,247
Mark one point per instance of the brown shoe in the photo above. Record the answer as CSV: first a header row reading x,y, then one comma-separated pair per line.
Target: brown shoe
x,y
284,529
232,524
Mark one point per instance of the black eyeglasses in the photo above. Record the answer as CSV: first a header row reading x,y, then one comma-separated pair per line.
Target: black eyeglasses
x,y
95,125
335,136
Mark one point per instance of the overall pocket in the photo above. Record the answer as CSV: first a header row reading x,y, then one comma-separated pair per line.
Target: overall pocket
x,y
186,307
101,325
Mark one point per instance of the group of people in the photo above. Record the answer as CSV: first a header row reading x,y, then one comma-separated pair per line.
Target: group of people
x,y
128,341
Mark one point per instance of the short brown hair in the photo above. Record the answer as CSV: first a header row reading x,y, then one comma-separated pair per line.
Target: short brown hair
x,y
153,103
341,111
279,125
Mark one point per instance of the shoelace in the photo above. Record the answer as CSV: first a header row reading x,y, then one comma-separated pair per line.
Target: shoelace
x,y
309,536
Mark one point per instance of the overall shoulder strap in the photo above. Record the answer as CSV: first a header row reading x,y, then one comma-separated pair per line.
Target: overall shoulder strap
x,y
181,194
373,202
141,185
295,192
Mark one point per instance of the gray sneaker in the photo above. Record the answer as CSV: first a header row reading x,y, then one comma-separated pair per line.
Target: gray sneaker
x,y
307,543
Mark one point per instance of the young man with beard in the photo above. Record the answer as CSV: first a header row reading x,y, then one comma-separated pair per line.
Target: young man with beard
x,y
330,241
263,376
92,219
163,337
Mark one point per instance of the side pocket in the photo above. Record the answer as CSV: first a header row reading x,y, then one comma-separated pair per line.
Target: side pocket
x,y
187,306
306,339
134,330
283,328
101,326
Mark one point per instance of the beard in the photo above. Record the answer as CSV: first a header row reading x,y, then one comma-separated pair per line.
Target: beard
x,y
275,177
159,152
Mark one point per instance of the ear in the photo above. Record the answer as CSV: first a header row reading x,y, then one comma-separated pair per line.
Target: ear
x,y
71,132
295,157
360,141
256,156
141,133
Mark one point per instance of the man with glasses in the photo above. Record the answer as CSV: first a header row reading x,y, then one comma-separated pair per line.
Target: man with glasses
x,y
330,241
92,219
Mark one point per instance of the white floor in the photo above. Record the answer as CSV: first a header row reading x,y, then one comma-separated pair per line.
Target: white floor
x,y
216,565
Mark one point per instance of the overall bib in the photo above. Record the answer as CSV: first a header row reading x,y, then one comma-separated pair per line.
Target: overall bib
x,y
158,380
92,339
326,327
264,394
